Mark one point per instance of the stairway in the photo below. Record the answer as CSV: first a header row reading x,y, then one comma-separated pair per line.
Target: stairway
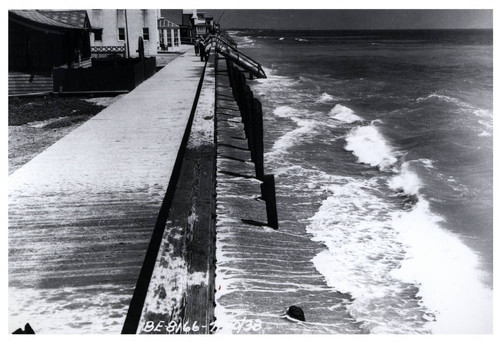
x,y
230,50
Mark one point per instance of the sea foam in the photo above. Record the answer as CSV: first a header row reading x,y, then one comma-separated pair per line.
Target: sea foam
x,y
285,111
368,144
291,138
406,181
377,253
484,134
325,97
246,41
361,253
343,113
446,271
445,98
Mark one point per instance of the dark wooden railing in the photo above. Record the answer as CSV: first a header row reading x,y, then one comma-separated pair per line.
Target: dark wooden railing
x,y
231,52
226,40
225,35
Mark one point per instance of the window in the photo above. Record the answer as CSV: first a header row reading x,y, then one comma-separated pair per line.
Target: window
x,y
161,36
145,33
121,33
97,35
176,37
169,38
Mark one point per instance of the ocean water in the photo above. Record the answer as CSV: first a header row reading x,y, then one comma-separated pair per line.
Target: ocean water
x,y
381,145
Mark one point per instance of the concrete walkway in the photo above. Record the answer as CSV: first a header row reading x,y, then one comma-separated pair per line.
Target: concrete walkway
x,y
163,59
82,212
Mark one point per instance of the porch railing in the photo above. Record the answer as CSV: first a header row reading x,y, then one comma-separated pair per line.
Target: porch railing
x,y
108,50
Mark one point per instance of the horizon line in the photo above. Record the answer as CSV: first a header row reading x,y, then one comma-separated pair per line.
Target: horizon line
x,y
372,29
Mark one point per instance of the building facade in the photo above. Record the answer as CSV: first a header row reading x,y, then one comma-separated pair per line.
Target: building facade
x,y
192,23
122,28
169,36
40,40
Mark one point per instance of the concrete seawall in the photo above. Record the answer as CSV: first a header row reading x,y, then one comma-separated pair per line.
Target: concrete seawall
x,y
113,228
180,295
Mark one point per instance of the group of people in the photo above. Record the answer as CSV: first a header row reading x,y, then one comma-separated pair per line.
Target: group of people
x,y
200,47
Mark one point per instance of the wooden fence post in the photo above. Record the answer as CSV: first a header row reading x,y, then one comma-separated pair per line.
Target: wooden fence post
x,y
269,195
251,113
241,87
236,81
258,138
247,118
230,75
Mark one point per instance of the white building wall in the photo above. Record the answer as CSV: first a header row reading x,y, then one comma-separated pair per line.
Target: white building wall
x,y
110,20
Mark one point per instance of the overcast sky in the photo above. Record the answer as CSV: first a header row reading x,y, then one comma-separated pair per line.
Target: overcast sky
x,y
353,19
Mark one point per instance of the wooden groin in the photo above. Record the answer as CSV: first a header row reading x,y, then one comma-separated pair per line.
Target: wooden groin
x,y
251,114
246,205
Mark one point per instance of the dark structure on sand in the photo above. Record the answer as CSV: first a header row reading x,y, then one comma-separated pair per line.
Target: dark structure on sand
x,y
42,40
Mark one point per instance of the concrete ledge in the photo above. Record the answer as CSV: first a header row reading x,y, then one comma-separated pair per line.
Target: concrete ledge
x,y
180,294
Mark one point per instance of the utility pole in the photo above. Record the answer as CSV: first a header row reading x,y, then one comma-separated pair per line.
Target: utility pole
x,y
126,32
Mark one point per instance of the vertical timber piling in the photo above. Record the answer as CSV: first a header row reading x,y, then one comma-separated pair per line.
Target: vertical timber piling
x,y
250,110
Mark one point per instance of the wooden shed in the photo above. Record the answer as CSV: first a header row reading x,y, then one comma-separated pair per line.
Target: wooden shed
x,y
40,40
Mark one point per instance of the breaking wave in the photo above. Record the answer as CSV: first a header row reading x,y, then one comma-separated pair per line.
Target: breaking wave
x,y
343,113
370,147
304,127
361,251
405,181
446,272
245,41
382,239
325,97
386,256
387,252
445,98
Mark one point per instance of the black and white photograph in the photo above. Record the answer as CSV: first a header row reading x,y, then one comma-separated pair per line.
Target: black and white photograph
x,y
260,170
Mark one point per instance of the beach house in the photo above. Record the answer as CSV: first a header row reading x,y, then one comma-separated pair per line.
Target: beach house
x,y
117,31
41,40
169,35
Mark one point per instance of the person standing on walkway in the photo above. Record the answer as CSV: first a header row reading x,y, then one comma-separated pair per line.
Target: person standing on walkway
x,y
196,46
202,50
